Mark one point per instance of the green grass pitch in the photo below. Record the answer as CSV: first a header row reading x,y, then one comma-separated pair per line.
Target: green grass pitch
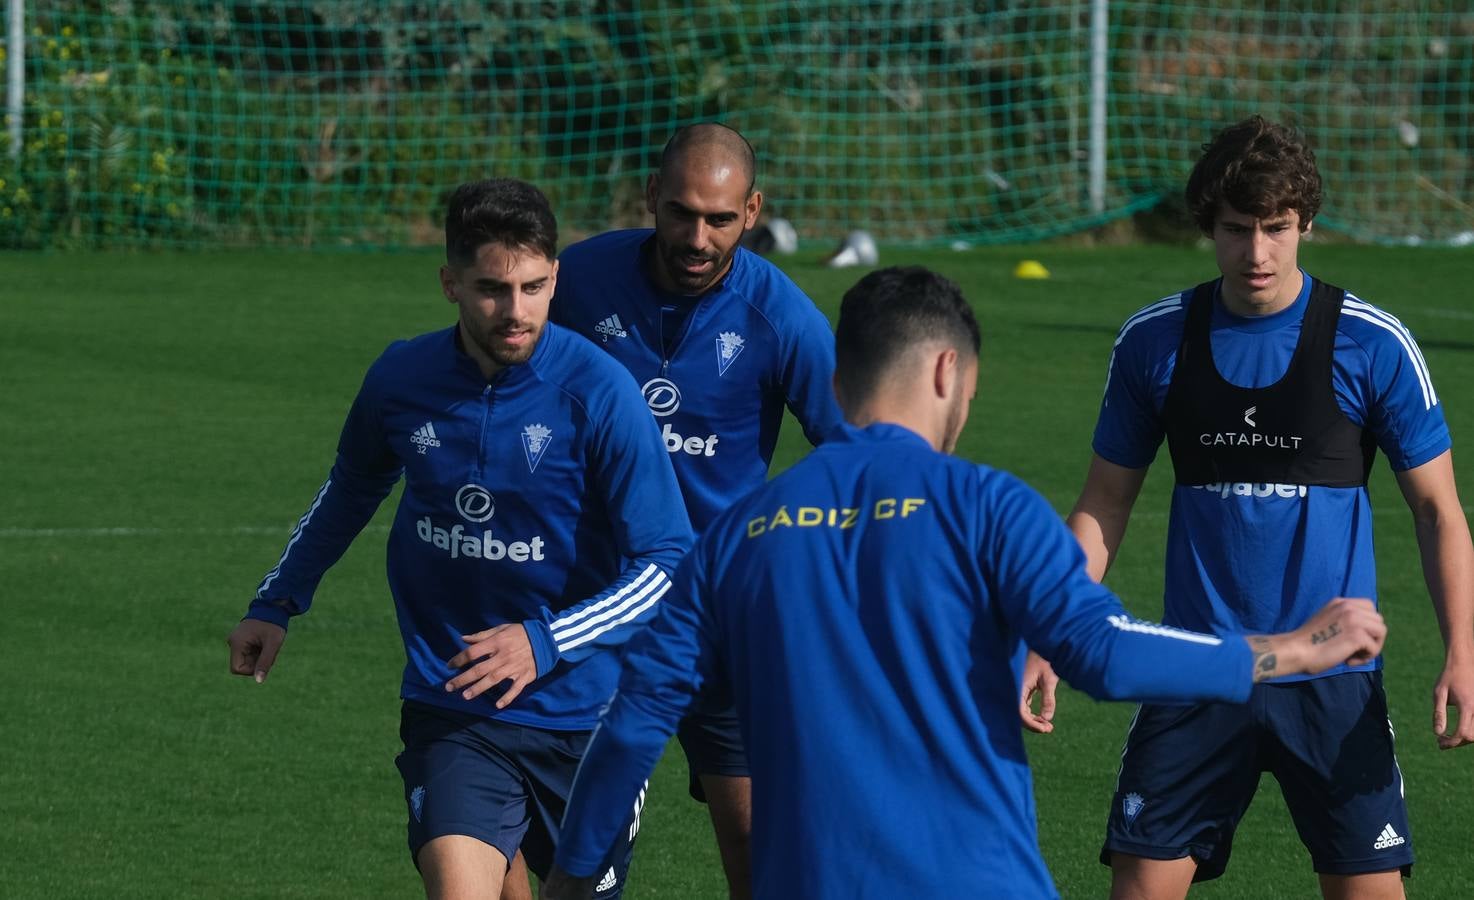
x,y
168,417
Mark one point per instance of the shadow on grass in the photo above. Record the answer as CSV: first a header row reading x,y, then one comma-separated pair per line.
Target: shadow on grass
x,y
1460,346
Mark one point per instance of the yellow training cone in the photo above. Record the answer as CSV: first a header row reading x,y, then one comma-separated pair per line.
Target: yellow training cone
x,y
1030,268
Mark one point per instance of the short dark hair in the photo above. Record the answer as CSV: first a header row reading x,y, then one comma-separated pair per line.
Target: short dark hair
x,y
1260,169
888,312
498,211
711,134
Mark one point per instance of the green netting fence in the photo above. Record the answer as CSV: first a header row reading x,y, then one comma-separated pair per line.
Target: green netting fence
x,y
343,124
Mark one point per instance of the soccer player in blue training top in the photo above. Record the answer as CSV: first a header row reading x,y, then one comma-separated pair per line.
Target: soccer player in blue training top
x,y
721,340
539,524
1273,390
868,610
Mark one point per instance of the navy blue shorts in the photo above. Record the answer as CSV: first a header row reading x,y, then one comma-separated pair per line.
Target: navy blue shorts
x,y
503,784
712,741
1189,772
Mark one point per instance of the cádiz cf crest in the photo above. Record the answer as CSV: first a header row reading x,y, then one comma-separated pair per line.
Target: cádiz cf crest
x,y
535,440
1131,806
729,346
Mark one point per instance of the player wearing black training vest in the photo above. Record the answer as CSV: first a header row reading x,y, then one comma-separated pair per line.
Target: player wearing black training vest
x,y
1273,391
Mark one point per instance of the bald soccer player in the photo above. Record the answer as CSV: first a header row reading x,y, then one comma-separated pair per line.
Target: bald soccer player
x,y
721,341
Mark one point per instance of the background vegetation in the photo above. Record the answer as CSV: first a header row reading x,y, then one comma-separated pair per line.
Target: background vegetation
x,y
332,124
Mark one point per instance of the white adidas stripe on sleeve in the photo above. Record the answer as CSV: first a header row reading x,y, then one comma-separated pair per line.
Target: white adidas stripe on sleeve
x,y
1360,309
570,619
291,542
644,601
1126,623
1165,306
619,612
1162,307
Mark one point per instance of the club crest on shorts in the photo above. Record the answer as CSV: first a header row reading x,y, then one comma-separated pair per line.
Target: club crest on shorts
x,y
1131,806
417,801
729,347
535,440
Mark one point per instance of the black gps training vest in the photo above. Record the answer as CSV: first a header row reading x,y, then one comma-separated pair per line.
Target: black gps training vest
x,y
1289,432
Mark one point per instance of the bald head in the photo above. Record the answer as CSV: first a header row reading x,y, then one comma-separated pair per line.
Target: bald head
x,y
710,146
703,200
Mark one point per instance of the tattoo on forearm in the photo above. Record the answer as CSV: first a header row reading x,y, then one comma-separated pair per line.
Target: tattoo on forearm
x,y
1325,634
1266,663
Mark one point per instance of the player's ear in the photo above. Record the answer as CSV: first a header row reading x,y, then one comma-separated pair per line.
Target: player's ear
x,y
944,374
753,207
447,282
652,193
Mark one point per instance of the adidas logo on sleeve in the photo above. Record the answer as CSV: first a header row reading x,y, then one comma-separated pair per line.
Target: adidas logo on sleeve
x,y
424,437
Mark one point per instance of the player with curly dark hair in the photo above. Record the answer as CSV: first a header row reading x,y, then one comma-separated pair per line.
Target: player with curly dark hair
x,y
1274,391
1256,167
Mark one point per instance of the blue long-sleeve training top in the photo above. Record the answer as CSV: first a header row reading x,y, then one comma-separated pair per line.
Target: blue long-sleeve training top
x,y
542,497
751,345
868,611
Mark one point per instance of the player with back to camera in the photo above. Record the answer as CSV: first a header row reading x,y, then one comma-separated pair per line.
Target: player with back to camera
x,y
868,611
538,526
722,341
1273,391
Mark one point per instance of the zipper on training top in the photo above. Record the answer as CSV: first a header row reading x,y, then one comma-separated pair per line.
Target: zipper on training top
x,y
675,346
488,394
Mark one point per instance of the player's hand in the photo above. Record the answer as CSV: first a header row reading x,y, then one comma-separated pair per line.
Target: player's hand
x,y
504,654
1039,678
1346,630
1455,688
562,886
253,647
